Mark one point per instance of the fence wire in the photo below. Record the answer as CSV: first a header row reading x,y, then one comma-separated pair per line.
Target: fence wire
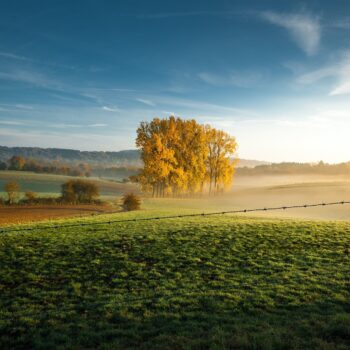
x,y
154,218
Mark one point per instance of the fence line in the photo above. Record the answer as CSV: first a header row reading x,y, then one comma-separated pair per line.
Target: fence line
x,y
238,211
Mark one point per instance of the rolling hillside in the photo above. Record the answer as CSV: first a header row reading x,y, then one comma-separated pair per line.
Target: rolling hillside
x,y
48,184
200,283
122,158
127,157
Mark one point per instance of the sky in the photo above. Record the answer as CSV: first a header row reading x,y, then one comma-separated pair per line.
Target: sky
x,y
83,74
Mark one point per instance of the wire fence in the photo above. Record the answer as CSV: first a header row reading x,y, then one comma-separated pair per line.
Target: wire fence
x,y
155,218
171,295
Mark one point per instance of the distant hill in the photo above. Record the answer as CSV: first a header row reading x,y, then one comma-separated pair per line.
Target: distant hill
x,y
248,163
121,158
290,168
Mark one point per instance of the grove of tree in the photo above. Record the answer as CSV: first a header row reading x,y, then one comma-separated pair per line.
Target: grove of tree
x,y
183,157
79,191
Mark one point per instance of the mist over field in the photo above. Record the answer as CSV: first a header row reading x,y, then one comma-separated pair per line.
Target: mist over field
x,y
248,192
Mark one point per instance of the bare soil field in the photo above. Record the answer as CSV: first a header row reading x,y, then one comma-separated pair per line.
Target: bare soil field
x,y
23,214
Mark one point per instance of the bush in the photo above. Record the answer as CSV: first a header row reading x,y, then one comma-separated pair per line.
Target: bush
x,y
12,188
40,201
30,196
47,201
131,201
79,191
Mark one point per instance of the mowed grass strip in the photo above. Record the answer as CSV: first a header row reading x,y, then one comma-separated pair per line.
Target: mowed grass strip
x,y
194,283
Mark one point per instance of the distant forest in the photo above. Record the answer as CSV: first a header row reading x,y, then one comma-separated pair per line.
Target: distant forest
x,y
124,158
120,165
320,168
19,163
121,158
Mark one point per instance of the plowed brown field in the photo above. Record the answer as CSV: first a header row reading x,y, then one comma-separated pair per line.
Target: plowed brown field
x,y
22,214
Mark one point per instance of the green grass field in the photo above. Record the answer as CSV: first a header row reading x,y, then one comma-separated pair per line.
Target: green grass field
x,y
50,184
195,283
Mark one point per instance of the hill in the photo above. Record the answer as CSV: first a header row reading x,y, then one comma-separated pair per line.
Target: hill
x,y
122,158
297,168
250,163
195,283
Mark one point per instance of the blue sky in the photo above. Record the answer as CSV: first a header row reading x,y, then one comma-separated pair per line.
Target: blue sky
x,y
83,74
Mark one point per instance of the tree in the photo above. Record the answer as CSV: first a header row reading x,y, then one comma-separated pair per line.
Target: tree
x,y
12,189
16,163
79,191
30,196
85,169
191,153
220,168
181,156
131,201
157,157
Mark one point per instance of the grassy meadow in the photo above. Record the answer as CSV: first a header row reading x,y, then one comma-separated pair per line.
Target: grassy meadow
x,y
277,280
196,283
50,184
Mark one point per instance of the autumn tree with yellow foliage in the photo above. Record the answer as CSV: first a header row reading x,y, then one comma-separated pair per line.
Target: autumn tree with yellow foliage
x,y
183,157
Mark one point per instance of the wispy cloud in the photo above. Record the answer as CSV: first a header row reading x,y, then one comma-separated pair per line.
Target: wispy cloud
x,y
304,29
13,56
233,78
318,74
16,106
63,90
339,71
195,107
146,102
342,89
110,89
11,122
110,109
91,141
98,125
29,76
74,126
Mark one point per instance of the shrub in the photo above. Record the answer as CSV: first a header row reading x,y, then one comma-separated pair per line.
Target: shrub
x,y
30,196
79,191
12,188
131,201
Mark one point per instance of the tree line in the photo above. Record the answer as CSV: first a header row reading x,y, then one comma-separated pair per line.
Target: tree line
x,y
183,157
20,163
286,168
70,156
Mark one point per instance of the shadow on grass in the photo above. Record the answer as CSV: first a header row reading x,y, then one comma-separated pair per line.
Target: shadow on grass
x,y
203,324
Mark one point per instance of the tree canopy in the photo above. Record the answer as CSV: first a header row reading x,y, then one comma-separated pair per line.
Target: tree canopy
x,y
184,157
79,191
